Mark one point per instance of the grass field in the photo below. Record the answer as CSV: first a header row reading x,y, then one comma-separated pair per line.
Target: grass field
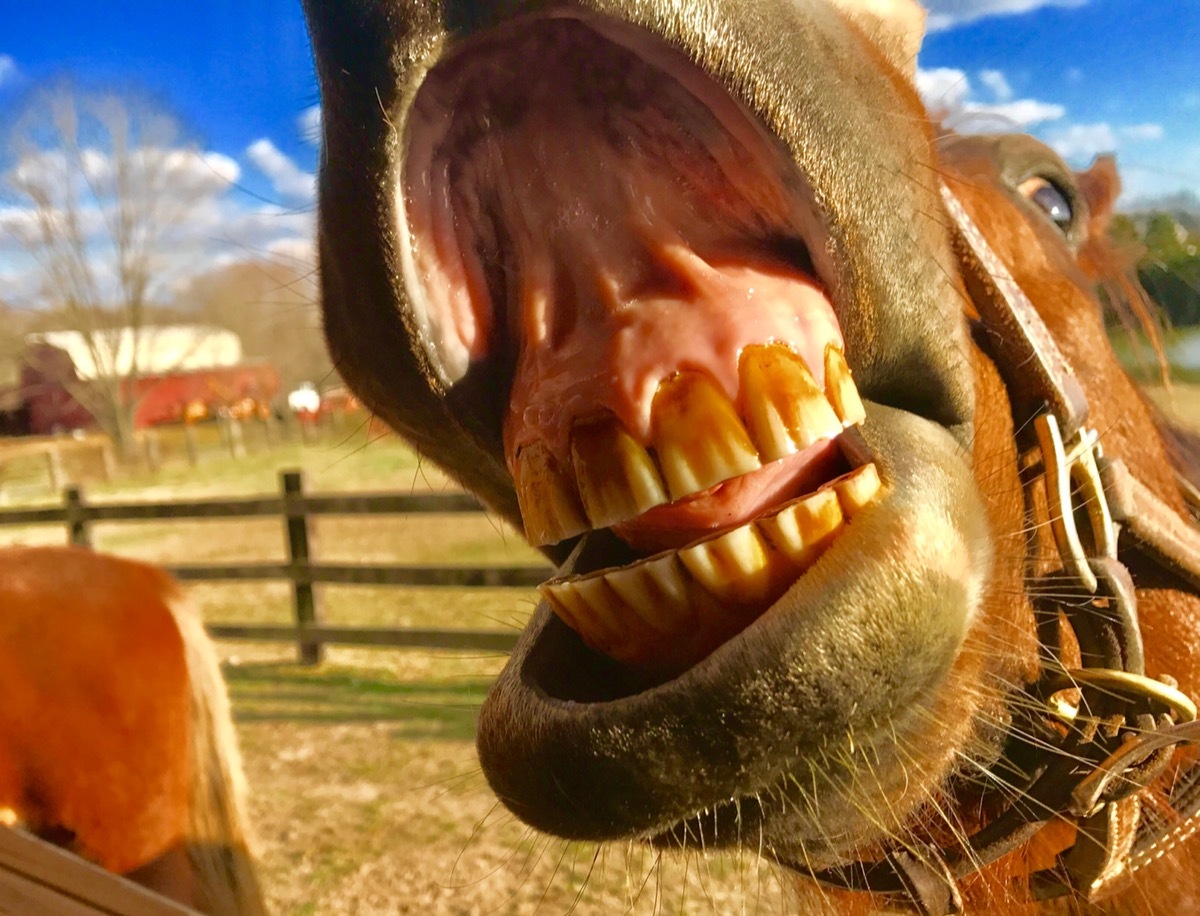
x,y
367,795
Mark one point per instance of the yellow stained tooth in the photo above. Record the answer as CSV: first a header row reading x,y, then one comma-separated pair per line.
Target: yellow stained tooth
x,y
804,529
550,506
858,488
657,591
563,601
587,607
840,387
616,476
784,408
739,565
699,439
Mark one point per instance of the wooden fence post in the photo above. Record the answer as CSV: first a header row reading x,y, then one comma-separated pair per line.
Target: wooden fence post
x,y
300,554
78,531
153,452
189,442
237,443
54,467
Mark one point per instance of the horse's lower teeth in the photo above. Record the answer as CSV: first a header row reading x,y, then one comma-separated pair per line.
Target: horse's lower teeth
x,y
699,438
667,612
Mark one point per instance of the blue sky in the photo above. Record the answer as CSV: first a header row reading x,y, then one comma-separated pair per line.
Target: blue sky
x,y
1087,75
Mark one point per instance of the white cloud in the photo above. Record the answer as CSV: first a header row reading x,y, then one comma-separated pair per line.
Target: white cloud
x,y
947,93
981,117
286,177
1146,179
946,14
996,82
8,70
301,251
942,88
1083,141
309,124
1139,132
214,224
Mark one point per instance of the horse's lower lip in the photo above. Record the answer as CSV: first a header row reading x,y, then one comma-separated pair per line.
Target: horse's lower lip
x,y
577,747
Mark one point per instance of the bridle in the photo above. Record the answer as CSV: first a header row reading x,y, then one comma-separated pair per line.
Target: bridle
x,y
1091,737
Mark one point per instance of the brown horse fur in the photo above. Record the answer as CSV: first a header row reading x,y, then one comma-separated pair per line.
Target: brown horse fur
x,y
115,732
861,707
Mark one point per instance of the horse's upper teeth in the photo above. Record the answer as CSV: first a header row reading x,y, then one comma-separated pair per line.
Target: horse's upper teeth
x,y
699,438
698,435
664,613
840,387
617,477
785,409
550,505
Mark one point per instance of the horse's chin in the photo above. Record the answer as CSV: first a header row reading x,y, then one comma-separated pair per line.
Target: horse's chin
x,y
812,731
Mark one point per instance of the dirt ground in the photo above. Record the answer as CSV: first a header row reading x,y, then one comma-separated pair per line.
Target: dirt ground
x,y
368,799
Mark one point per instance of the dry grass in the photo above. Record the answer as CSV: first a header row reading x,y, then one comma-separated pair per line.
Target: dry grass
x,y
1181,402
368,799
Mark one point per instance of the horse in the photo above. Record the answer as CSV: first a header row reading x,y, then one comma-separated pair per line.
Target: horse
x,y
116,738
870,558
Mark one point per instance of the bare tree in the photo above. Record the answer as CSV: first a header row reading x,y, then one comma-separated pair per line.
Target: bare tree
x,y
102,193
272,306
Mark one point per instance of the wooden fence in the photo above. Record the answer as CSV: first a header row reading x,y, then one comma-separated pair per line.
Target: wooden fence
x,y
38,878
296,507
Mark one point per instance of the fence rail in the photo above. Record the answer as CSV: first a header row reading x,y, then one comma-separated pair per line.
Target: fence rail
x,y
36,877
295,507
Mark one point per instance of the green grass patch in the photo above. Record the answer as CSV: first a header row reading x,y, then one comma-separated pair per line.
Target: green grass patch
x,y
442,710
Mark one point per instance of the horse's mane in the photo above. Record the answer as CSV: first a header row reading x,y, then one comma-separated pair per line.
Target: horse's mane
x,y
1112,266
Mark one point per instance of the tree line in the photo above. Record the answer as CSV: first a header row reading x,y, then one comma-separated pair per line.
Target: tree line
x,y
1169,269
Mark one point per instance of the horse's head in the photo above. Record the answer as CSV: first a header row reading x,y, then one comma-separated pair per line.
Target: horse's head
x,y
672,286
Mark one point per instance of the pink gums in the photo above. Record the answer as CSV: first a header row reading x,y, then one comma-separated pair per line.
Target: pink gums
x,y
610,225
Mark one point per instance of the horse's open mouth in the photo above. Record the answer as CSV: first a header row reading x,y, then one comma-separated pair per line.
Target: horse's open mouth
x,y
634,252
632,273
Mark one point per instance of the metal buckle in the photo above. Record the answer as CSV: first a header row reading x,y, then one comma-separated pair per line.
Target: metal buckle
x,y
1072,469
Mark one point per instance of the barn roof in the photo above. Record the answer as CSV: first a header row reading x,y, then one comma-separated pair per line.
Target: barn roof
x,y
168,348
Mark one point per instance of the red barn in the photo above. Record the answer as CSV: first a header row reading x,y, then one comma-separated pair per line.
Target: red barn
x,y
180,369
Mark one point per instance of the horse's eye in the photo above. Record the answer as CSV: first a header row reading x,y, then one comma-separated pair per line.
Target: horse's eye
x,y
1050,199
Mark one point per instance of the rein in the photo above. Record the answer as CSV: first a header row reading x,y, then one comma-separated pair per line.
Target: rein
x,y
1098,734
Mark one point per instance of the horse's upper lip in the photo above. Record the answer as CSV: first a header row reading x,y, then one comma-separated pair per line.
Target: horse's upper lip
x,y
577,748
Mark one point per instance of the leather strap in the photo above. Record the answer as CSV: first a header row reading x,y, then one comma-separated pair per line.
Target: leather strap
x,y
1158,531
1034,370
